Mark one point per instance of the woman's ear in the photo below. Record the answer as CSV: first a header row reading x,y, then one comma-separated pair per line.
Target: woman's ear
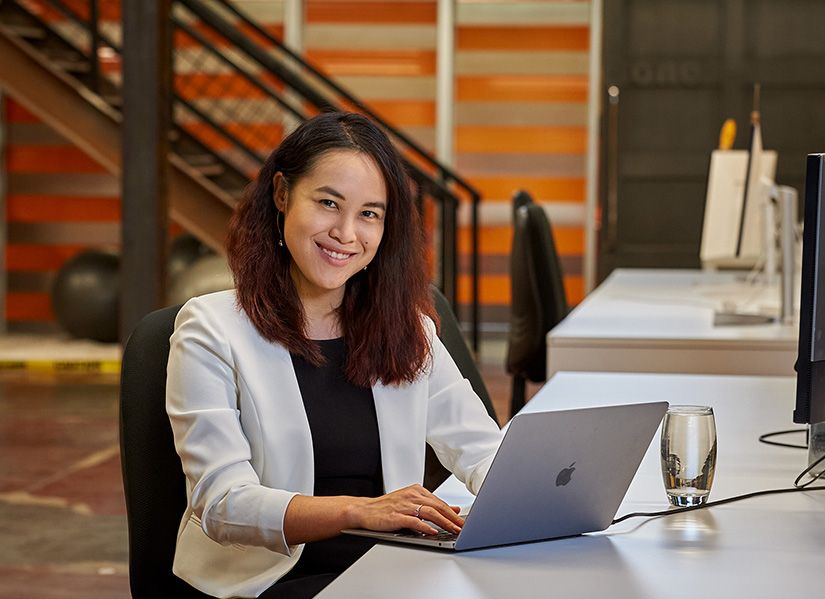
x,y
279,194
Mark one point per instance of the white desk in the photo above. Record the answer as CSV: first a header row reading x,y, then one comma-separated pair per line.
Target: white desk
x,y
770,546
662,321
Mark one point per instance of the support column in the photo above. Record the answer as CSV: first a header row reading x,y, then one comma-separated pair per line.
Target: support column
x,y
4,236
594,94
294,40
146,118
445,83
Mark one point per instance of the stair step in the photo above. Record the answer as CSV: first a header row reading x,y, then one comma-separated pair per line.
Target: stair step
x,y
198,160
209,170
29,32
72,66
111,100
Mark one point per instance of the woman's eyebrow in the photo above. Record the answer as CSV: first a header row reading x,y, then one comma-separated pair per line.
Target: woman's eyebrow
x,y
331,191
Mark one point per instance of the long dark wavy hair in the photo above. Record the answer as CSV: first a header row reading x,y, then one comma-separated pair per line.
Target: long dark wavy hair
x,y
381,313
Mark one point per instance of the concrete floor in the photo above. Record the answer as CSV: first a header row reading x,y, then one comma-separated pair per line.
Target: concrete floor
x,y
62,515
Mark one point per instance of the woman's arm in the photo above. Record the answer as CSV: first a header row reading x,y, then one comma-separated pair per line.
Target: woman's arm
x,y
201,399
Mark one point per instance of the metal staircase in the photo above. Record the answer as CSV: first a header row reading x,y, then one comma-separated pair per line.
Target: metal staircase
x,y
232,81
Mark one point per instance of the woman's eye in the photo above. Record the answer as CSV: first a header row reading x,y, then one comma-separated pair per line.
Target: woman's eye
x,y
328,203
369,214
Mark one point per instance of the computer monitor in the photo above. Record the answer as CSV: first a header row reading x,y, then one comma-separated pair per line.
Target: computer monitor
x,y
810,365
732,233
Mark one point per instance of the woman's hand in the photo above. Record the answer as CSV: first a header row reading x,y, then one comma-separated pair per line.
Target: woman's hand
x,y
411,507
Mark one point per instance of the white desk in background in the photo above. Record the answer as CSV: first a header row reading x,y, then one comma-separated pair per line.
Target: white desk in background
x,y
662,321
771,546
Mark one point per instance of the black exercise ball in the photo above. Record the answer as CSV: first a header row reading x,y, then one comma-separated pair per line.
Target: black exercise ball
x,y
86,296
184,250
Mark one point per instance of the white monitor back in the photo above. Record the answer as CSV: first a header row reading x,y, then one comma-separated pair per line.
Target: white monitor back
x,y
724,203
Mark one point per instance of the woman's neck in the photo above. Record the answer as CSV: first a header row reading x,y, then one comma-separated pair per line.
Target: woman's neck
x,y
321,317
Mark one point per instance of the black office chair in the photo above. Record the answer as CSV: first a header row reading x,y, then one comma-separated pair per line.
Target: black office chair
x,y
153,481
538,300
453,340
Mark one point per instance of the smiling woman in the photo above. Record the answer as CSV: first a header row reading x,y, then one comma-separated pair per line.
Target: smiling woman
x,y
302,402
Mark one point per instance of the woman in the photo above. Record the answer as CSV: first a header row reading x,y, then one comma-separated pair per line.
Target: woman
x,y
301,401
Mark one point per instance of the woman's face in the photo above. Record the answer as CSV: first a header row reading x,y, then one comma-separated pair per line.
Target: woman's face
x,y
333,222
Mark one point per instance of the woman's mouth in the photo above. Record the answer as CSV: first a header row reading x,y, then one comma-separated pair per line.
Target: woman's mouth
x,y
337,256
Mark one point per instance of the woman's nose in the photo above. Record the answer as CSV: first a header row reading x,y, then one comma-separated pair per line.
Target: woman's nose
x,y
343,230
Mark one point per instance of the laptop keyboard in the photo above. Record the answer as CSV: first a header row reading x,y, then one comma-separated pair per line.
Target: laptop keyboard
x,y
439,536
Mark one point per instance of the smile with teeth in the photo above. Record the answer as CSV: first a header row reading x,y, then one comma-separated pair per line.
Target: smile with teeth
x,y
335,255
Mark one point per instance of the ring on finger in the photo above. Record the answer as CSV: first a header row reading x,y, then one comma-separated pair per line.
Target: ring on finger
x,y
418,511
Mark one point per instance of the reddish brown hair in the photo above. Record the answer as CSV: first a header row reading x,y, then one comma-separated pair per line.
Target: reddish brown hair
x,y
381,313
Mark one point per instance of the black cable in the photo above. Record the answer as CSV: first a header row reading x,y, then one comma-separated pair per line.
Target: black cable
x,y
764,438
797,488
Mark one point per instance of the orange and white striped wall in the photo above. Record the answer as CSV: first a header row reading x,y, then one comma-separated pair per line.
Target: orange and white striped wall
x,y
521,75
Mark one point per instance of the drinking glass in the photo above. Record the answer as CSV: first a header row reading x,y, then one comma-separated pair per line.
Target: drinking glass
x,y
688,454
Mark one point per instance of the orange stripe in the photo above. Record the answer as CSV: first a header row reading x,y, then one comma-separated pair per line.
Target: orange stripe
x,y
42,209
108,10
523,38
495,289
522,88
406,113
522,140
541,188
196,86
49,159
23,256
29,306
384,63
498,240
370,12
17,113
574,289
492,289
261,137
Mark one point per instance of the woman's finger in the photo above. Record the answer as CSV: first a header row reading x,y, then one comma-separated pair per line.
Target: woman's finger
x,y
438,517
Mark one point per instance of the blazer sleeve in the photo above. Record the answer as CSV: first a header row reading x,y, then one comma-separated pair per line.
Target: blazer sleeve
x,y
226,493
459,429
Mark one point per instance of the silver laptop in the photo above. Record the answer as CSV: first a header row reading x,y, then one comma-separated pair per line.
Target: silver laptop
x,y
556,474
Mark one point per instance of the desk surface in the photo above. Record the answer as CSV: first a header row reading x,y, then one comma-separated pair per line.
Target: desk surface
x,y
662,321
763,547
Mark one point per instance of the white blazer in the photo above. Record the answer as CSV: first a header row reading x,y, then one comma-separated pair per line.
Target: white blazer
x,y
244,441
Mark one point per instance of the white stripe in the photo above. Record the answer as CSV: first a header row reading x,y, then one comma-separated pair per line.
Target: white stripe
x,y
507,12
529,114
369,36
491,214
521,63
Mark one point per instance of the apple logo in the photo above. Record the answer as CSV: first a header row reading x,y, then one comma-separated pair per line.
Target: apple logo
x,y
564,476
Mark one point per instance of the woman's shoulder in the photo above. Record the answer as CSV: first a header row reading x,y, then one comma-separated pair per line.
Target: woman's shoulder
x,y
217,307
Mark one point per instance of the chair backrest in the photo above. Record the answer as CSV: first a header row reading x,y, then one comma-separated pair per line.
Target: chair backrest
x,y
153,481
453,340
538,298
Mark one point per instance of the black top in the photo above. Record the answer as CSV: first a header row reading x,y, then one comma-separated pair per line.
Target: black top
x,y
346,448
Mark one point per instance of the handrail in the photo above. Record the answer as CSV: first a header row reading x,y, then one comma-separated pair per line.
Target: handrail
x,y
445,171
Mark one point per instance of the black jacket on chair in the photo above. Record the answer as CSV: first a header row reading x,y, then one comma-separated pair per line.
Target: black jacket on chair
x,y
538,298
